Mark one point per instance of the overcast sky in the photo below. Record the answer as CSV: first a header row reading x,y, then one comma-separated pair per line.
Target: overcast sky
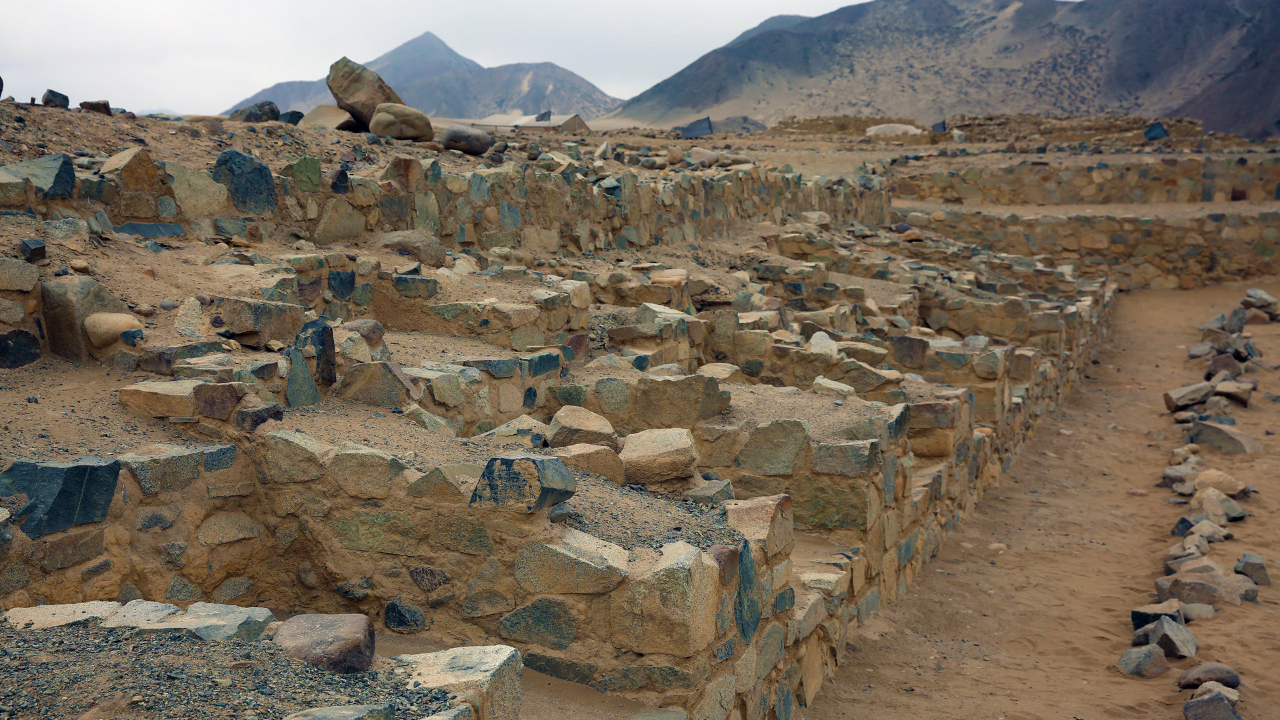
x,y
202,57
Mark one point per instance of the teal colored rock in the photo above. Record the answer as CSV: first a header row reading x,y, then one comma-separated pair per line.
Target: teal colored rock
x,y
300,386
305,173
523,483
510,216
54,176
416,286
362,296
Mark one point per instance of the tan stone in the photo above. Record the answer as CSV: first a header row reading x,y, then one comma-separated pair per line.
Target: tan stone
x,y
1219,481
363,472
765,519
596,459
328,116
724,372
104,329
487,678
573,425
401,122
294,457
656,456
161,399
668,607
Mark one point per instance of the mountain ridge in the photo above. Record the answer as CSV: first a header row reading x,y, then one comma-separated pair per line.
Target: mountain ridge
x,y
931,58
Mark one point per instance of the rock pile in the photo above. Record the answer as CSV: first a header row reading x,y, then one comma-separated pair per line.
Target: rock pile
x,y
1195,587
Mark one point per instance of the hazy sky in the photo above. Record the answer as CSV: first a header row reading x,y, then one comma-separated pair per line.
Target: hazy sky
x,y
202,57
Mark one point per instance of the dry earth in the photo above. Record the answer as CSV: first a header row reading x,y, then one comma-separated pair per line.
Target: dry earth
x,y
1033,632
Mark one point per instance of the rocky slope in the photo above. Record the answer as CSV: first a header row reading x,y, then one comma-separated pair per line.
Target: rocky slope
x,y
932,58
432,77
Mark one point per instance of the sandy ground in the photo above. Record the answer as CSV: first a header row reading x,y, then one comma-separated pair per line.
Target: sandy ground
x,y
1033,632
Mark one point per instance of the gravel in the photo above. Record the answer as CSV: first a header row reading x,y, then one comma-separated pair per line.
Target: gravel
x,y
65,672
635,518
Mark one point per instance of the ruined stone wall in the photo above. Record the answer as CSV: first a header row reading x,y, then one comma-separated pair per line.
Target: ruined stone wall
x,y
1135,252
1171,180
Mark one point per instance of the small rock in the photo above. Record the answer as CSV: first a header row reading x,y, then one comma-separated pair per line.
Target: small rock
x,y
1255,568
404,617
1147,661
1209,672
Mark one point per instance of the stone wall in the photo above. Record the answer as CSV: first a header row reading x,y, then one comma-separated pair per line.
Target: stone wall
x,y
1171,180
1136,252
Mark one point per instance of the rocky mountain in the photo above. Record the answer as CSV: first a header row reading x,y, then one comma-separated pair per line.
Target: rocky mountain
x,y
431,76
1215,60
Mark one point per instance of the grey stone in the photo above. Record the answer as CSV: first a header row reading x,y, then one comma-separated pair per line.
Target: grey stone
x,y
466,139
1147,661
61,495
139,612
1214,706
490,674
1174,638
346,712
174,468
404,617
546,622
209,621
1255,568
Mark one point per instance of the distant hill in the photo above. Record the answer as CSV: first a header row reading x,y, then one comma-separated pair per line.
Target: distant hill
x,y
431,76
1215,60
777,22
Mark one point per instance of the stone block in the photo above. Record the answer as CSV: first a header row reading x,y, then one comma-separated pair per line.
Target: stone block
x,y
1223,437
774,448
257,322
545,621
364,472
448,484
61,495
767,520
294,457
68,302
487,677
171,468
849,459
138,612
227,527
652,457
378,383
51,616
523,483
209,621
595,459
576,563
670,606
1147,661
248,180
573,425
351,712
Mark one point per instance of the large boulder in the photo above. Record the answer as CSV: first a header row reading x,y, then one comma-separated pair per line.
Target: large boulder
x,y
338,643
265,111
329,116
359,90
466,139
401,122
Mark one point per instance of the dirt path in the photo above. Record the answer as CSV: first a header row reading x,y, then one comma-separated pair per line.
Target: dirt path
x,y
1034,631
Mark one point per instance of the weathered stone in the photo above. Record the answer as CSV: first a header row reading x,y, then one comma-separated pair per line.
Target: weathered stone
x,y
678,402
18,348
1223,437
1255,568
329,116
294,457
655,456
1206,588
258,322
138,612
523,483
209,621
359,90
300,385
171,468
577,563
546,622
227,527
1173,638
849,459
217,400
339,222
61,495
52,176
1213,706
1147,661
364,472
573,425
669,607
51,616
386,532
404,617
265,111
466,139
196,193
378,383
1209,672
463,534
595,459
1148,614
774,448
449,484
248,180
766,519
489,676
68,301
714,491
401,122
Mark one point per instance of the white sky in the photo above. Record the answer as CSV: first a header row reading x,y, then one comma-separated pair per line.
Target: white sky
x,y
202,57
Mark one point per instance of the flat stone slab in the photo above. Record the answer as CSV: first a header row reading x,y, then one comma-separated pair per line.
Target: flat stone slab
x,y
346,712
209,621
140,612
48,616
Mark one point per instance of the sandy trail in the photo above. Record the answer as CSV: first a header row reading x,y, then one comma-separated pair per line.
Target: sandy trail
x,y
1034,632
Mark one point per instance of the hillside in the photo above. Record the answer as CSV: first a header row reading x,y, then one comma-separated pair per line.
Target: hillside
x,y
432,77
930,58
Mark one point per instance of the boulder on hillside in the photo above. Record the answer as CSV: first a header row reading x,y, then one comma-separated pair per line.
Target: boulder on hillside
x,y
53,98
401,122
466,139
265,111
329,116
359,90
